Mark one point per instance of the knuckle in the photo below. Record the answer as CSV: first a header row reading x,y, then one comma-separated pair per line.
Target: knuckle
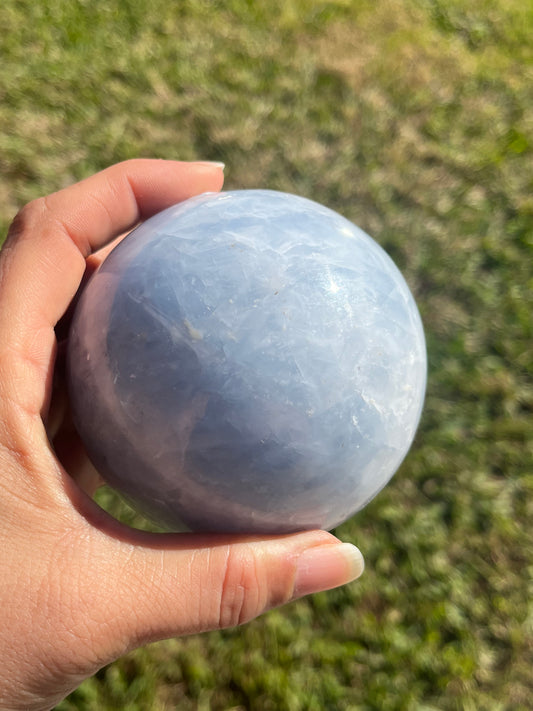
x,y
244,591
28,218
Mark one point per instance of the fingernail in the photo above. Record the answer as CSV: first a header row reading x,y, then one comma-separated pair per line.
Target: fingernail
x,y
326,567
211,164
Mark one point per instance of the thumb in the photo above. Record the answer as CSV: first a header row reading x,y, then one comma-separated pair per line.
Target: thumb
x,y
191,583
104,595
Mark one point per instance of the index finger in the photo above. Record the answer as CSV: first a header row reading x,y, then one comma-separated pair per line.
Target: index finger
x,y
43,260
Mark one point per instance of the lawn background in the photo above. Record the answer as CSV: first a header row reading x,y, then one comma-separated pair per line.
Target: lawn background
x,y
414,119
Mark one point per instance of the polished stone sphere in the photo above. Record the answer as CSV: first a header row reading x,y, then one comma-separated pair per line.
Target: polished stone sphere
x,y
247,361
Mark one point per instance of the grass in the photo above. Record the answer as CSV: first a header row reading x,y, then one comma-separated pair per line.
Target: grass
x,y
414,119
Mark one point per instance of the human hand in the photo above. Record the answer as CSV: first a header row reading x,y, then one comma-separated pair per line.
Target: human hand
x,y
78,589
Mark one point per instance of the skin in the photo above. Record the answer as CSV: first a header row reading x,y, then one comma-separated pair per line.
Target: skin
x,y
78,589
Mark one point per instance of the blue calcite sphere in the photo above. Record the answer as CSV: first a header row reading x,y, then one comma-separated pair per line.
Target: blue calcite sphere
x,y
247,361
